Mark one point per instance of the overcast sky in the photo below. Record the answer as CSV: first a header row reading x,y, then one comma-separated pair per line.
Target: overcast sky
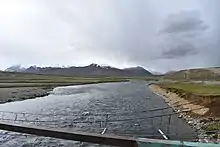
x,y
156,34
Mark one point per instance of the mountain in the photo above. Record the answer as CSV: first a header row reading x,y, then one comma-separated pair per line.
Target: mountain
x,y
170,72
212,73
15,68
139,71
157,73
90,70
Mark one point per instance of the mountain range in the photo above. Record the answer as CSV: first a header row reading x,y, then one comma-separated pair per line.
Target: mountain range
x,y
90,70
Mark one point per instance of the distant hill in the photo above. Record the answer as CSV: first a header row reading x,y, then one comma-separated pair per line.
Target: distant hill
x,y
195,74
15,68
139,71
90,70
157,73
170,72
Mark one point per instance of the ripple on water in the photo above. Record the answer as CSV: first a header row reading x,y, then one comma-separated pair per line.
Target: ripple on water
x,y
84,108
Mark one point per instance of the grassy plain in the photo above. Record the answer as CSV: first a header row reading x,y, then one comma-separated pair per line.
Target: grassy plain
x,y
198,89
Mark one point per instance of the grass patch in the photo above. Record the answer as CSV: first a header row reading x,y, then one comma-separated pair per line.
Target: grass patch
x,y
54,83
198,89
12,80
212,127
147,78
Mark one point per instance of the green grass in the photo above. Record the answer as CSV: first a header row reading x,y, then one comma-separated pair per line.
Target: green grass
x,y
198,89
9,80
56,82
212,127
147,78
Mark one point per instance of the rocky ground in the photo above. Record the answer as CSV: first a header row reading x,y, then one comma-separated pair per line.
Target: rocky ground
x,y
22,93
193,113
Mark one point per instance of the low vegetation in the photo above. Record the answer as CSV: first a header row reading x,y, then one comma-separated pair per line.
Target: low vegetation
x,y
198,89
9,80
212,126
14,79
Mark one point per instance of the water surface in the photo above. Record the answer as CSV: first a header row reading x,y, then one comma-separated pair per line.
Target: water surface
x,y
84,108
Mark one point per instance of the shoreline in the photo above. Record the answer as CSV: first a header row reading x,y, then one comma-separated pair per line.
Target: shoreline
x,y
188,111
24,91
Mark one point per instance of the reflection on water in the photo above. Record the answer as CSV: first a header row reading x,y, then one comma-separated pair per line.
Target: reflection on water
x,y
85,108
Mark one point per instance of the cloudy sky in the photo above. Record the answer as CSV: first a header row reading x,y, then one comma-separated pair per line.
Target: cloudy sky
x,y
159,35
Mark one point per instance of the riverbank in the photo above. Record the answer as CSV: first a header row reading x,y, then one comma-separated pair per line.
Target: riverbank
x,y
20,86
22,93
199,111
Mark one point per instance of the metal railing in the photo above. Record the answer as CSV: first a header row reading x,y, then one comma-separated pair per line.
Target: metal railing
x,y
100,138
23,120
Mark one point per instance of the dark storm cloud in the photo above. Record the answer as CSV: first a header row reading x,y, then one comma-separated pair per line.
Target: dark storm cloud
x,y
182,31
179,50
185,21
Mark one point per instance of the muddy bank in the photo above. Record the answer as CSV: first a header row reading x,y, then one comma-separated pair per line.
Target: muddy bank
x,y
199,112
22,93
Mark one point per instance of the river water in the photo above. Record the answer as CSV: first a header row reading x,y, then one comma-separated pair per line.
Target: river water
x,y
131,109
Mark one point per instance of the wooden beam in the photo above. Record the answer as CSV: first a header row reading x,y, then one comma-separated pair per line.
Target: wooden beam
x,y
100,139
75,136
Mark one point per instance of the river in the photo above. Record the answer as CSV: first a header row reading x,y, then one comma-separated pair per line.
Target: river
x,y
84,108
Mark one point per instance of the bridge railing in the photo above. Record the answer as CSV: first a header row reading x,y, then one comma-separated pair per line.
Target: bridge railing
x,y
100,138
19,121
157,119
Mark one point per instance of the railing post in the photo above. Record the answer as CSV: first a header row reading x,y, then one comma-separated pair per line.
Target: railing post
x,y
106,120
16,116
169,121
161,119
105,125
